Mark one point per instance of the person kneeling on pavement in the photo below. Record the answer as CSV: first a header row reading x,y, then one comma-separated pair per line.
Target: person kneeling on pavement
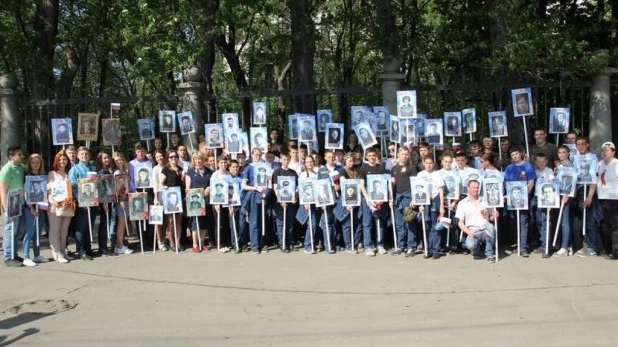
x,y
475,220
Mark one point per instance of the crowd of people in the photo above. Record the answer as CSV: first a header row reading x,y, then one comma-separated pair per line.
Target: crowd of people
x,y
260,223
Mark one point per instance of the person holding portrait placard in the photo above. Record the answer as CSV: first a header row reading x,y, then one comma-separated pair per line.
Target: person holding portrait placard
x,y
368,207
33,174
608,195
172,176
11,179
199,176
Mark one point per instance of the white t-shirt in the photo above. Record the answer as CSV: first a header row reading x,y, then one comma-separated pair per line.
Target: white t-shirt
x,y
545,173
470,213
608,172
435,181
155,175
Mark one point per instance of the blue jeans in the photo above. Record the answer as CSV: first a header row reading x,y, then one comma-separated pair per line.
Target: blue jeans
x,y
368,221
524,216
565,224
102,232
82,229
346,227
328,233
541,225
431,213
234,220
30,234
406,232
311,230
290,217
592,227
6,240
486,236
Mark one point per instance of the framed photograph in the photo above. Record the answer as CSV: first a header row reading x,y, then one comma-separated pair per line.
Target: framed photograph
x,y
359,114
138,206
468,175
492,192
567,176
167,121
497,124
87,127
286,186
214,135
230,122
155,215
365,135
406,103
185,120
171,198
142,174
306,193
36,189
145,127
433,133
517,195
88,194
334,136
394,129
420,191
522,102
259,113
547,193
293,126
61,190
469,120
196,204
121,183
110,129
218,192
409,132
232,142
15,203
370,119
263,174
62,131
259,138
419,123
105,185
452,121
351,190
451,184
324,192
324,117
377,187
559,120
233,193
306,128
381,120
587,166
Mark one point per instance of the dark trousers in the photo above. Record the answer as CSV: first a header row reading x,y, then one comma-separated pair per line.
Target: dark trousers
x,y
610,210
82,229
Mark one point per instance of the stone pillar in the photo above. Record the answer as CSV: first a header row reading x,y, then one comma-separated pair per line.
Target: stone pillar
x,y
391,82
600,111
190,94
9,124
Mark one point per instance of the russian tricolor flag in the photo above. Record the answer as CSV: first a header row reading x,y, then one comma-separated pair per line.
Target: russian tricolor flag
x,y
115,107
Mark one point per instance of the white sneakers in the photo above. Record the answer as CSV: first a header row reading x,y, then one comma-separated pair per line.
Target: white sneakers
x,y
123,250
28,262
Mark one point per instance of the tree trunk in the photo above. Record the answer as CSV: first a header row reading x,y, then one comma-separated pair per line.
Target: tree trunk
x,y
303,51
43,44
206,62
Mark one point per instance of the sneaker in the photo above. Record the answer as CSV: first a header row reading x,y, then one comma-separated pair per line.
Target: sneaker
x,y
29,263
309,251
410,253
68,254
61,260
570,251
41,259
224,249
611,256
539,250
123,250
351,250
436,256
381,250
164,248
360,248
545,255
562,252
476,256
491,259
581,253
255,252
332,251
370,253
525,254
397,252
284,250
13,263
86,257
592,253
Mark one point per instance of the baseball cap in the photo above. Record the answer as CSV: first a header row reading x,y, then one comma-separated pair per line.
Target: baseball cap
x,y
609,144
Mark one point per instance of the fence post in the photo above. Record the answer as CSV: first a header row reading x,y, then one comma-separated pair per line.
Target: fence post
x,y
600,110
391,82
190,93
9,124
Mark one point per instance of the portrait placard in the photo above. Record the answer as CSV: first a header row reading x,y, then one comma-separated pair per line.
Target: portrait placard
x,y
334,136
324,117
218,191
62,131
214,135
36,189
286,188
105,186
61,190
381,120
420,191
324,192
522,102
517,195
406,103
263,174
167,121
230,122
433,131
409,131
469,120
394,132
155,215
112,135
87,127
351,190
196,204
377,187
233,193
232,142
559,120
547,193
567,176
306,192
138,206
293,126
419,124
142,174
306,128
451,184
365,135
185,121
452,123
146,129
497,124
493,192
359,114
587,166
88,194
171,199
259,138
14,204
121,184
259,113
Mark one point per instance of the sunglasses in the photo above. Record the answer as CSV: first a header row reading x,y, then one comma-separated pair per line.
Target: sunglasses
x,y
173,157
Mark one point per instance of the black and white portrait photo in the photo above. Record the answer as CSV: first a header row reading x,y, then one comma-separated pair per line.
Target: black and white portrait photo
x,y
14,203
172,200
451,184
334,136
306,128
567,178
143,175
351,190
469,120
259,113
293,126
167,121
36,189
497,124
145,127
587,166
492,192
214,135
522,102
377,187
381,120
87,193
324,192
62,131
233,193
218,192
105,185
87,127
233,144
420,191
230,122
155,215
547,193
138,206
306,192
365,135
517,195
324,117
452,123
286,187
433,131
559,120
263,174
110,132
259,138
185,119
406,103
395,132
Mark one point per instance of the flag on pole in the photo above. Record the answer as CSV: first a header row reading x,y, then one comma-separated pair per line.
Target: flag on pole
x,y
115,107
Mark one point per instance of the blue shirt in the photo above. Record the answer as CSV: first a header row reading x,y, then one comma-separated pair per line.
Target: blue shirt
x,y
77,172
248,175
524,172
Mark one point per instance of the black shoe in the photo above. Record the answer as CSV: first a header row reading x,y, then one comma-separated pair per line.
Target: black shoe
x,y
539,250
86,257
13,263
466,251
427,256
611,256
21,260
397,252
239,250
477,256
525,254
332,251
284,250
436,256
545,255
410,253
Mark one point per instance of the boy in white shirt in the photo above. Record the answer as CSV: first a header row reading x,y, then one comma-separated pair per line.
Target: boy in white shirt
x,y
435,210
542,172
